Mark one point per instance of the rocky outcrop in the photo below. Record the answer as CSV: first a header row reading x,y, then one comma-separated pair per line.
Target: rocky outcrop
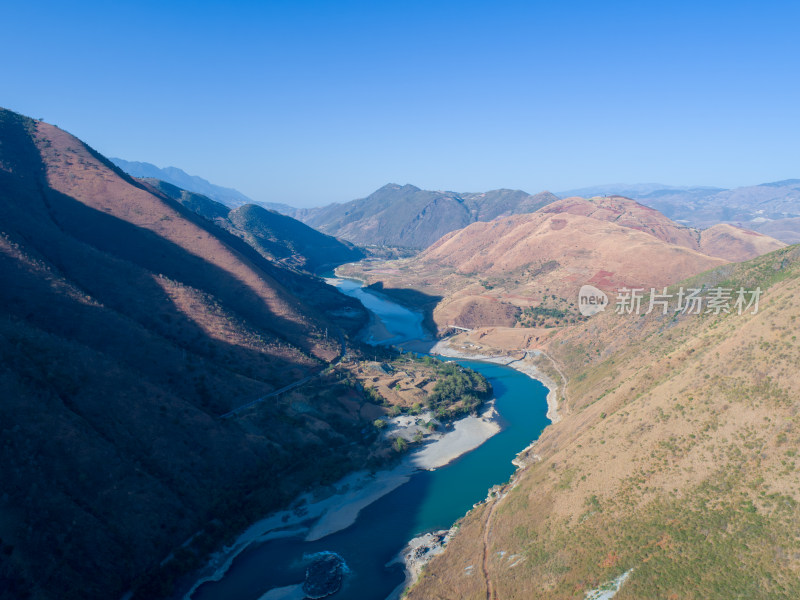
x,y
324,576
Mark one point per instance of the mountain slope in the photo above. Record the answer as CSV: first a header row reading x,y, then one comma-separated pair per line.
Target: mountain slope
x,y
736,244
193,183
527,269
129,324
628,213
202,205
787,230
674,461
275,236
723,241
286,238
408,217
587,245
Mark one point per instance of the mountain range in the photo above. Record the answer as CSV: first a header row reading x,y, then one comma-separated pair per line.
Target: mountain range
x,y
407,217
192,183
275,236
528,268
142,316
770,208
404,216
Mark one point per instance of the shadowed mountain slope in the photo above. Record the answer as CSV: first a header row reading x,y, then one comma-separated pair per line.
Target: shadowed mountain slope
x,y
129,324
289,240
275,236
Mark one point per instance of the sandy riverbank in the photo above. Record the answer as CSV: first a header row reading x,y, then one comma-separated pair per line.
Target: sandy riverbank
x,y
307,512
290,592
523,365
467,434
317,515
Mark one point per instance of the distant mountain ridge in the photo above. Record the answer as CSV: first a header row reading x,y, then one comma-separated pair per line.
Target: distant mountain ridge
x,y
406,216
770,208
193,183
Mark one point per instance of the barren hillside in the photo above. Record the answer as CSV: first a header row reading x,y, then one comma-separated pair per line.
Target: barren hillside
x,y
526,270
675,461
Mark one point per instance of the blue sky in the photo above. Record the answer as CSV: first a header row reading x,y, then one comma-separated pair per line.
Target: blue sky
x,y
313,102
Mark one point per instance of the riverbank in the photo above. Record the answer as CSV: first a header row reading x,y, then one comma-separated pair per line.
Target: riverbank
x,y
403,323
418,553
444,348
467,434
411,299
325,511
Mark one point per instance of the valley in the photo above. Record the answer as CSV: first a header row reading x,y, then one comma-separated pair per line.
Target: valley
x,y
367,519
154,337
165,380
339,300
670,422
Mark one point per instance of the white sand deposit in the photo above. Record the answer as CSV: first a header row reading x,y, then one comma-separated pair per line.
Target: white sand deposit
x,y
467,434
350,495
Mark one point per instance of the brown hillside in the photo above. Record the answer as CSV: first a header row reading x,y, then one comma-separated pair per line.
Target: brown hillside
x,y
489,274
74,170
628,213
724,241
526,270
736,244
583,245
675,461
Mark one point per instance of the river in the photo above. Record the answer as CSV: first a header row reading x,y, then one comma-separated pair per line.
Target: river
x,y
427,501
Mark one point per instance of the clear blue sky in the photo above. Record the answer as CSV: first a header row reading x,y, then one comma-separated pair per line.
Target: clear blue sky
x,y
312,102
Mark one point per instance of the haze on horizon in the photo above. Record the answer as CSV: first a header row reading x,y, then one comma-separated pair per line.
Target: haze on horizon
x,y
312,102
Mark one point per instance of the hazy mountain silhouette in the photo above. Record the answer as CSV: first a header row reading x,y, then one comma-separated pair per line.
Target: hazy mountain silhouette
x,y
193,183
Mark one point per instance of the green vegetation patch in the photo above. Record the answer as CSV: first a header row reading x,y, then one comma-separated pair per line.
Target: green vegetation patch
x,y
458,391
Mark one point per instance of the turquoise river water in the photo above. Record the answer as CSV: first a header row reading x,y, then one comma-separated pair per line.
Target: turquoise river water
x,y
429,501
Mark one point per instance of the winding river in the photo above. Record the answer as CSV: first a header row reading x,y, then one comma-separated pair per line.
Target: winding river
x,y
426,501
